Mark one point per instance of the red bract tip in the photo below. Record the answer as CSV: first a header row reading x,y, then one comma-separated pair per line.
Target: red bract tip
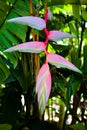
x,y
46,15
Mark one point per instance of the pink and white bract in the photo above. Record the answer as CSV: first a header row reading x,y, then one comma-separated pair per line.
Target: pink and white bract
x,y
58,35
32,47
60,61
32,21
43,86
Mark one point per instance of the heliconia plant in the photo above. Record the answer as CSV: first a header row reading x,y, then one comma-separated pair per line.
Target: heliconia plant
x,y
44,79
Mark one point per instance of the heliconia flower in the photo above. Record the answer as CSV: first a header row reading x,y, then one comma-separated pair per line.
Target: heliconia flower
x,y
60,61
32,47
44,81
43,86
58,35
32,21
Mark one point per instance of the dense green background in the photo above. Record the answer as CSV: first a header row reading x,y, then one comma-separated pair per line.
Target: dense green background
x,y
16,74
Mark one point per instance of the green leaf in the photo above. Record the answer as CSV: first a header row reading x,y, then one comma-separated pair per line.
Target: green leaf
x,y
5,127
59,2
2,76
4,71
85,60
73,28
75,57
9,37
84,15
63,50
4,42
76,11
18,75
3,10
75,85
13,59
55,2
25,128
22,8
17,30
60,101
79,126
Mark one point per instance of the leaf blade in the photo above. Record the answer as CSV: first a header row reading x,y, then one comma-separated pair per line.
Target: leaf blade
x,y
5,127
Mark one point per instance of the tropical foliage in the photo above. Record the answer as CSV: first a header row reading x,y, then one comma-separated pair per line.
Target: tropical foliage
x,y
20,70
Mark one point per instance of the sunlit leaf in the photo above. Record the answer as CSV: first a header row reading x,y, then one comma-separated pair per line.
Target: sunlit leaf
x,y
5,127
78,126
43,86
58,35
76,11
59,61
4,71
63,2
33,47
84,15
32,21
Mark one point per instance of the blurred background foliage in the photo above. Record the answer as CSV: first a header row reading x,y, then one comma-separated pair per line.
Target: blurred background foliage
x,y
67,106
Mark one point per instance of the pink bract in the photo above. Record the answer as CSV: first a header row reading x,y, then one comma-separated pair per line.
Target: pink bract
x,y
32,21
32,47
43,86
60,61
58,35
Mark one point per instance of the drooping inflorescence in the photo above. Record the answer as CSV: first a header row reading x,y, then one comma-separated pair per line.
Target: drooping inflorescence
x,y
44,79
